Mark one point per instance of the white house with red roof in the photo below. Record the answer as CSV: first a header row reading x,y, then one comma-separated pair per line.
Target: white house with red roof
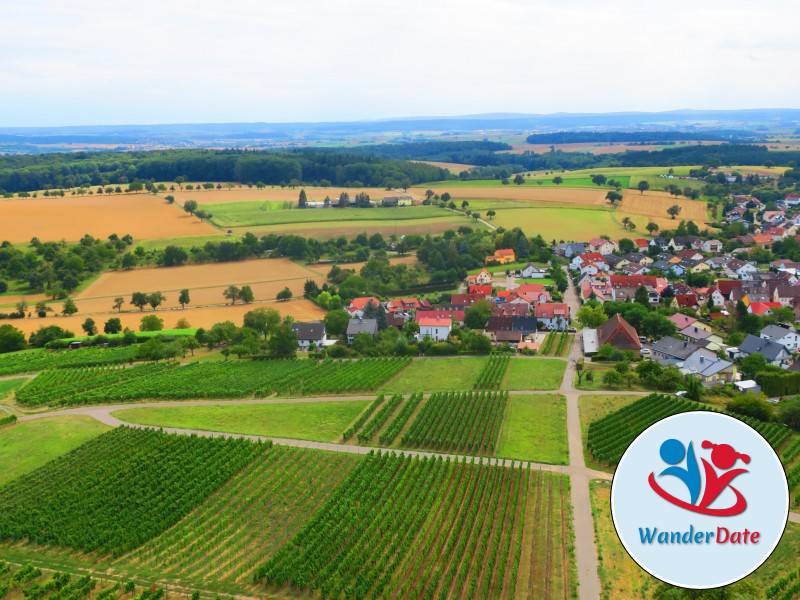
x,y
641,244
762,308
483,277
712,246
594,257
553,315
602,246
436,328
357,305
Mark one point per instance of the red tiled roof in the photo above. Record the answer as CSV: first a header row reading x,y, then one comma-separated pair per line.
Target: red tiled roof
x,y
435,322
761,308
360,303
551,310
486,290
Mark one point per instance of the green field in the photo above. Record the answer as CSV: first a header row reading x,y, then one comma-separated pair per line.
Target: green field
x,y
568,223
535,429
534,374
316,421
241,214
183,242
9,385
436,375
29,445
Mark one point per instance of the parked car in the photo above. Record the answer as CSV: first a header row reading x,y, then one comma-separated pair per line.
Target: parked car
x,y
572,330
645,352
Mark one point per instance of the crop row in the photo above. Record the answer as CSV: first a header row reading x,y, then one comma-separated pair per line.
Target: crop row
x,y
610,436
28,580
791,450
351,431
250,517
365,435
409,528
62,386
31,361
120,489
229,379
397,424
492,374
458,421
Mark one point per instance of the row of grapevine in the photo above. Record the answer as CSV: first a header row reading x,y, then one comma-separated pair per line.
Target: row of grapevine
x,y
28,582
547,345
492,374
230,379
62,386
31,361
380,419
120,489
250,517
562,343
786,585
792,450
409,528
351,431
397,424
610,436
459,421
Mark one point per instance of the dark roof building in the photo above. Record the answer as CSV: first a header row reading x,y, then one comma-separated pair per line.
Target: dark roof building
x,y
619,333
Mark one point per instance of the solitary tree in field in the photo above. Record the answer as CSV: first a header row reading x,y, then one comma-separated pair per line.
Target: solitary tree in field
x,y
674,210
598,179
190,206
643,186
170,199
68,308
626,222
155,299
613,197
246,294
302,201
113,325
652,227
231,293
118,302
151,323
464,204
180,180
490,213
284,294
183,298
476,216
89,326
429,194
558,180
519,179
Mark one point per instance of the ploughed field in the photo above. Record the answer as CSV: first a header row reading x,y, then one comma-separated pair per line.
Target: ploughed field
x,y
248,518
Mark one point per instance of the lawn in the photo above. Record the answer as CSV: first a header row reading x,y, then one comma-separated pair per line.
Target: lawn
x,y
436,375
596,406
535,428
239,214
29,445
597,385
620,577
534,374
317,421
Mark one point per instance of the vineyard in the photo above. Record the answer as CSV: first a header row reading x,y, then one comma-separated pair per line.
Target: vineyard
x,y
120,489
247,520
492,374
208,380
430,528
610,436
786,587
555,344
458,421
30,361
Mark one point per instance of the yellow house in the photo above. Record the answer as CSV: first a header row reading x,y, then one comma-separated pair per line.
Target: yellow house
x,y
503,257
699,267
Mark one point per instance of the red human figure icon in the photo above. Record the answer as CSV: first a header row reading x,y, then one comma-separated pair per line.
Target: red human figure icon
x,y
724,457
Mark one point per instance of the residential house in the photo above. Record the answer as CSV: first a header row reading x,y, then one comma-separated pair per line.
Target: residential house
x,y
712,246
704,337
777,233
310,333
511,310
690,254
762,239
639,258
590,268
784,335
785,294
357,305
773,217
593,257
694,266
669,350
436,328
466,299
531,271
602,246
484,290
762,308
725,287
397,201
710,369
503,257
634,269
553,315
681,242
455,315
792,200
687,301
660,242
405,305
717,262
616,262
666,267
641,244
619,333
682,321
739,269
573,249
483,277
356,326
775,353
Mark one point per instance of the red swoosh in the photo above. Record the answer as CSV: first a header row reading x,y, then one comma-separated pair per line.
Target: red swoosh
x,y
739,507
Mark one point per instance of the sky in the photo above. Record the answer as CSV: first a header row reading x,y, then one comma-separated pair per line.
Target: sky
x,y
101,62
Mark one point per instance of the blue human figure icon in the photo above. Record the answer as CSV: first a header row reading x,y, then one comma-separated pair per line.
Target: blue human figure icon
x,y
672,453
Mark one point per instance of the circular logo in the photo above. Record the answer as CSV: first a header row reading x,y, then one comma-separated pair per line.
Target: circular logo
x,y
699,500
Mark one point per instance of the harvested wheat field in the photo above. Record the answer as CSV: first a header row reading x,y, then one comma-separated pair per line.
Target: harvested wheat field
x,y
655,204
454,168
70,218
585,197
278,271
300,309
273,194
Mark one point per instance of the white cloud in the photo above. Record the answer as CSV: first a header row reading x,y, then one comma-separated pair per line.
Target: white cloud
x,y
149,61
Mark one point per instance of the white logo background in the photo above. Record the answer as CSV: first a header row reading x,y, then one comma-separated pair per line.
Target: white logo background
x,y
635,505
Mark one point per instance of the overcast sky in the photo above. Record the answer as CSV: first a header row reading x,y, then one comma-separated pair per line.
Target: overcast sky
x,y
89,62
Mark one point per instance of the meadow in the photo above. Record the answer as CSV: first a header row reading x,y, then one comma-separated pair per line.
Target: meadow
x,y
316,421
436,375
535,428
534,374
